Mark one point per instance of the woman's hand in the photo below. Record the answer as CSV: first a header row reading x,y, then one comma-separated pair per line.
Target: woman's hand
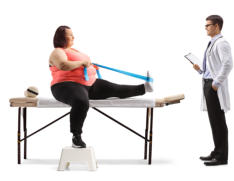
x,y
86,62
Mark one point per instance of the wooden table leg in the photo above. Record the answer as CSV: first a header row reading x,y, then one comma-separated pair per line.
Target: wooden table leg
x,y
151,135
25,131
146,133
18,135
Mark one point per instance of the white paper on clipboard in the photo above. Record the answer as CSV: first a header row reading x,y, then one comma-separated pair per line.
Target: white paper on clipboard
x,y
194,60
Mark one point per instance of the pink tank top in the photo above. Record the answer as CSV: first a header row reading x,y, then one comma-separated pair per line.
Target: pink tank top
x,y
75,75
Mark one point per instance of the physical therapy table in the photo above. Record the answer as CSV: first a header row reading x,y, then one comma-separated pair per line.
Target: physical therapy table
x,y
23,103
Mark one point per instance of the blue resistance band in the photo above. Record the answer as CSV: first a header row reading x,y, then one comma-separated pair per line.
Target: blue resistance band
x,y
147,79
98,74
86,74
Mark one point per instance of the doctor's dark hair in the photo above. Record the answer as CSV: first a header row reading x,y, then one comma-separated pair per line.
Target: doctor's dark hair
x,y
216,19
60,37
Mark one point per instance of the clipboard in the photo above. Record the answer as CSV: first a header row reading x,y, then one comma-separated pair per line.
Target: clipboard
x,y
194,60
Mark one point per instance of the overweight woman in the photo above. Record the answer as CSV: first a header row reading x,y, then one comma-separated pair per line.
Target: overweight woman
x,y
70,87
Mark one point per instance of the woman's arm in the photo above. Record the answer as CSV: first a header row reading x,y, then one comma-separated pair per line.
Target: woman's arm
x,y
59,59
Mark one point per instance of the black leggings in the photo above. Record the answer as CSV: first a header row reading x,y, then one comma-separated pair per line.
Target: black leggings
x,y
77,96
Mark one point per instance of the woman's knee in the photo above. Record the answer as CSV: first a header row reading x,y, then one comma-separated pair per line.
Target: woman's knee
x,y
80,103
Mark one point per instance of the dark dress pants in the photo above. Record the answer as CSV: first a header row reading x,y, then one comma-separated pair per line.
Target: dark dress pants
x,y
217,122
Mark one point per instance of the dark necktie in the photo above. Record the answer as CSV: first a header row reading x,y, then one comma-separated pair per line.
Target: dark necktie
x,y
204,59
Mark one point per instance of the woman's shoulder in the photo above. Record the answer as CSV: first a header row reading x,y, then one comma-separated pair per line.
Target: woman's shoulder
x,y
57,51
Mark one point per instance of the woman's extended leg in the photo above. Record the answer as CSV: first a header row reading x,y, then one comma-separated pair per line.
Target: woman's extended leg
x,y
103,89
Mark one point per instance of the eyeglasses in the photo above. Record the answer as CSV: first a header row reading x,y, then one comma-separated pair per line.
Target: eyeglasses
x,y
208,25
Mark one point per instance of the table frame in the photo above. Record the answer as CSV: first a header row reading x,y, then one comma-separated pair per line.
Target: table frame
x,y
148,138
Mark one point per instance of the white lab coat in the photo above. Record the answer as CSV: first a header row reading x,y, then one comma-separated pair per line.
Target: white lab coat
x,y
219,62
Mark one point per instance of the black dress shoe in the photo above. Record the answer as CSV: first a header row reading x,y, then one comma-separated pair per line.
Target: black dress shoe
x,y
215,162
77,142
207,158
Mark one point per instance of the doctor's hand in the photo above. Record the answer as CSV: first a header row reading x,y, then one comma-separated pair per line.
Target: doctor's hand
x,y
214,88
196,67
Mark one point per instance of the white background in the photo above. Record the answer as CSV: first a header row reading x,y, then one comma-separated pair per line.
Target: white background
x,y
130,35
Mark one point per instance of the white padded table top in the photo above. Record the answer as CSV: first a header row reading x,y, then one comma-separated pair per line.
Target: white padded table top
x,y
133,102
111,102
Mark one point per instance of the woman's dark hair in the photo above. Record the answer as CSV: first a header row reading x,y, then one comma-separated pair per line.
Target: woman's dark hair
x,y
216,19
60,37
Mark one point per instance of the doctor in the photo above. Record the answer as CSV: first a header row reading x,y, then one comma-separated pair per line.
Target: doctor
x,y
217,64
